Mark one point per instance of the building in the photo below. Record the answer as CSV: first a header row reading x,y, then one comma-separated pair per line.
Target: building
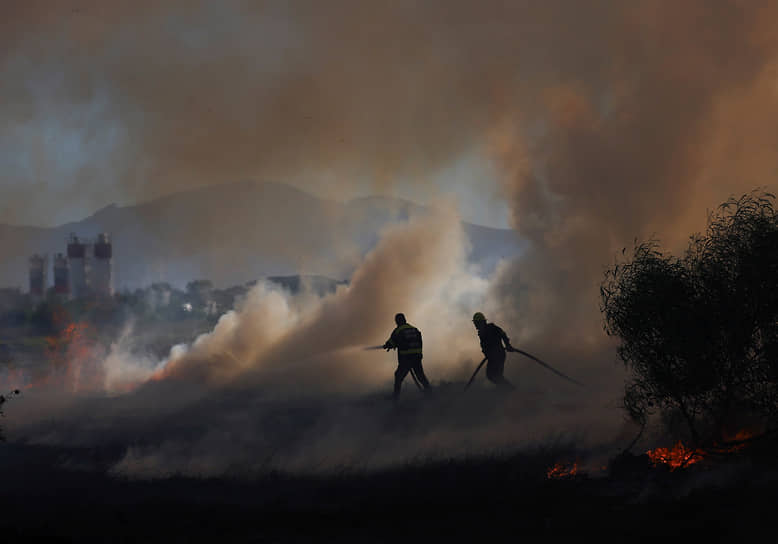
x,y
61,275
38,275
101,266
86,269
77,257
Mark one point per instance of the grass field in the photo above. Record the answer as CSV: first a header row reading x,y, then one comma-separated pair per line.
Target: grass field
x,y
506,496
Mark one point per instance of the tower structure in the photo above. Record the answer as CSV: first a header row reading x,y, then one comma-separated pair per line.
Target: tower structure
x,y
38,275
77,257
61,275
101,267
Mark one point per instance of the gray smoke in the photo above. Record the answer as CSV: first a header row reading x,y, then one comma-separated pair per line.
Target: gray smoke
x,y
282,381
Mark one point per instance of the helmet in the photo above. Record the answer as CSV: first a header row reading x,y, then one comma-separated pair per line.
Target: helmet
x,y
478,316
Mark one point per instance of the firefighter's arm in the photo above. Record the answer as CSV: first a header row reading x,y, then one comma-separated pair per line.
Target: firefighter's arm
x,y
390,344
506,340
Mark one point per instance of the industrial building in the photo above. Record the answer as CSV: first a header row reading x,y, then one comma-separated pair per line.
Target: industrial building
x,y
38,275
61,275
86,269
77,255
100,270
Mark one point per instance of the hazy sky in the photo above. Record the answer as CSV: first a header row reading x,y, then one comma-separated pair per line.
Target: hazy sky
x,y
579,124
108,102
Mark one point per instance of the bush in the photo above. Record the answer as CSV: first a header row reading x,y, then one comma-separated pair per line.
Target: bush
x,y
699,333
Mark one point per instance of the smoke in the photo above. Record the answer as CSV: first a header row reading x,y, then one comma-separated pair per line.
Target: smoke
x,y
621,106
345,96
313,343
123,370
671,124
282,381
605,121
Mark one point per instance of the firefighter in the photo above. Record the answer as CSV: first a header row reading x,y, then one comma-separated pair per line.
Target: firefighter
x,y
407,340
492,339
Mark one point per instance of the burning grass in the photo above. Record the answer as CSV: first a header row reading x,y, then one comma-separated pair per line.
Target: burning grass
x,y
73,357
562,470
509,491
681,456
676,457
69,359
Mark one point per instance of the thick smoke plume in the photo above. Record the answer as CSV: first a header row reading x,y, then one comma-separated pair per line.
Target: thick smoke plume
x,y
417,268
605,120
153,97
663,120
282,381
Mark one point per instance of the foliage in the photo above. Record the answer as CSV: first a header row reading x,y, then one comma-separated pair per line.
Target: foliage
x,y
699,333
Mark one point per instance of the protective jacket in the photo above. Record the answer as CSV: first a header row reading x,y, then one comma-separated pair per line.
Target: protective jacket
x,y
407,339
492,338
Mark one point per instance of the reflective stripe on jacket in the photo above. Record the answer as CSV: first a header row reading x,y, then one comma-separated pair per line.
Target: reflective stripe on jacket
x,y
407,339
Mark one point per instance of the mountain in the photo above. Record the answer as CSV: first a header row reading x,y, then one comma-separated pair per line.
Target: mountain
x,y
234,233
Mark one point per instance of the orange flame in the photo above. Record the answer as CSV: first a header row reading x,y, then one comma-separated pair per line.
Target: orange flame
x,y
680,456
562,470
739,439
72,358
676,457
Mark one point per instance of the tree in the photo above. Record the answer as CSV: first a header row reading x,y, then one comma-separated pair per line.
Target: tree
x,y
2,401
699,333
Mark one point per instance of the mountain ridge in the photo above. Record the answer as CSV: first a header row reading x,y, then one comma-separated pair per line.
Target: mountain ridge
x,y
231,233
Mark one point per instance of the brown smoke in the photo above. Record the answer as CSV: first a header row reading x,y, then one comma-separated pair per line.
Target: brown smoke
x,y
675,120
608,120
315,343
621,105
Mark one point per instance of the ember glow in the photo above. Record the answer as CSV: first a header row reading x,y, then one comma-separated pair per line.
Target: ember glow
x,y
678,456
73,362
72,358
562,470
739,437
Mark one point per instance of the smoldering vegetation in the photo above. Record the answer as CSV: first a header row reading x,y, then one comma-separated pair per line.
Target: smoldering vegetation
x,y
162,431
54,492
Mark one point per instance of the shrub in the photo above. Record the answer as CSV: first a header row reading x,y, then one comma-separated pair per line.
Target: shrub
x,y
699,333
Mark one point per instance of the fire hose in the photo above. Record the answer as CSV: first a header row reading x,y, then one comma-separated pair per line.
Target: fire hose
x,y
549,367
522,352
529,355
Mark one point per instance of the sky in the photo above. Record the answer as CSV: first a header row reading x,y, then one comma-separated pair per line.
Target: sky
x,y
109,102
105,103
581,125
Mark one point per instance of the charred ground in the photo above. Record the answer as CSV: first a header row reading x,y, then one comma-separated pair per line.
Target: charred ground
x,y
455,500
59,493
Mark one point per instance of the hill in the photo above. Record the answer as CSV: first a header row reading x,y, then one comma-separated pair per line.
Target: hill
x,y
234,233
